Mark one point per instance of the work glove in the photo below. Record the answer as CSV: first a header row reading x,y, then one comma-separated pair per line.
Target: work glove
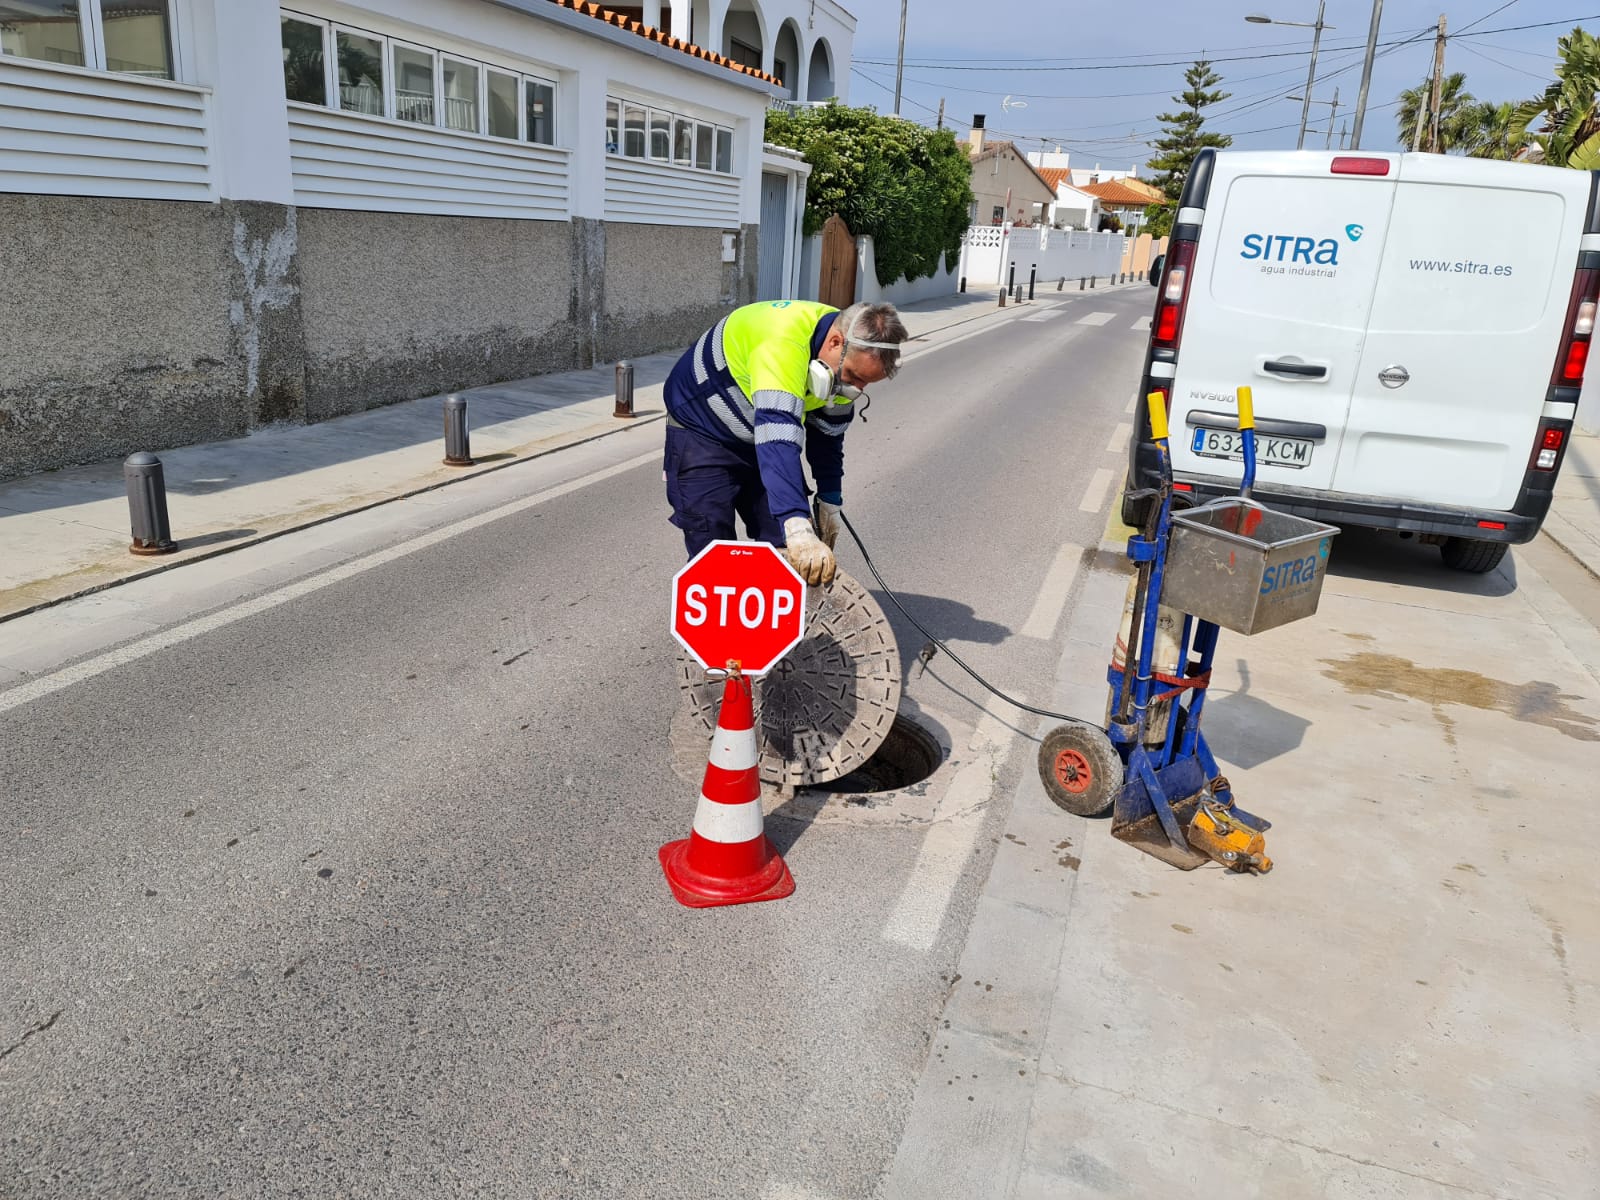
x,y
807,553
825,516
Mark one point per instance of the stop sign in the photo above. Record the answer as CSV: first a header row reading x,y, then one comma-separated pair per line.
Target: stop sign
x,y
739,601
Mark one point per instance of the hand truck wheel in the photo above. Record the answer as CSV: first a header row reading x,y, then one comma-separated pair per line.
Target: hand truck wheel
x,y
1080,769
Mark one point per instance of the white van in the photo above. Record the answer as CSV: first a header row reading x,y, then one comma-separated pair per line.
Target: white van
x,y
1414,328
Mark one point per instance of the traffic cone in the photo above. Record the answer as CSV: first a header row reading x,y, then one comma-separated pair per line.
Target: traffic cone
x,y
726,859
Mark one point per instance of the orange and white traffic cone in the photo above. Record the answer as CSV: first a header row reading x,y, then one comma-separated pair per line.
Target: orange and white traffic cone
x,y
727,859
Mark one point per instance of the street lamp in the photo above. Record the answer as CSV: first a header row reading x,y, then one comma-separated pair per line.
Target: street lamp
x,y
1311,75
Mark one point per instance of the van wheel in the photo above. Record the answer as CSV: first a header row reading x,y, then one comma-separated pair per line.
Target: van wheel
x,y
1470,554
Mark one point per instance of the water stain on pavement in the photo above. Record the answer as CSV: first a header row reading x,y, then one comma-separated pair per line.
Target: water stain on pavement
x,y
1396,678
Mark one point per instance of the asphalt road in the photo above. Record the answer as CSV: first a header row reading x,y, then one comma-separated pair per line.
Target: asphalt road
x,y
353,889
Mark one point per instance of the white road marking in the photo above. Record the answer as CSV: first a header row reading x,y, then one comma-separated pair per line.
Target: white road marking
x,y
1053,592
1045,315
948,843
35,689
1095,318
1119,438
1142,325
1132,404
1095,494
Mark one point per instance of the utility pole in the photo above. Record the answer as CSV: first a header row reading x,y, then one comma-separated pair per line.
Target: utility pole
x,y
900,59
1438,86
940,124
1366,74
1311,75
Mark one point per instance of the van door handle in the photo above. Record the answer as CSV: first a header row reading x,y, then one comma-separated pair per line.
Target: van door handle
x,y
1303,370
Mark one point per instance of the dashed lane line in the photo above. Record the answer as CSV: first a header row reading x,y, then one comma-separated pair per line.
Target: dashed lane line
x,y
1095,494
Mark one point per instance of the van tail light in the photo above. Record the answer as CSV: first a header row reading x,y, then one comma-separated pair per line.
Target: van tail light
x,y
1578,331
1174,296
1552,439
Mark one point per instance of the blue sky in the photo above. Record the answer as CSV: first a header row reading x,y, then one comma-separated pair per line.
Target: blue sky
x,y
1108,114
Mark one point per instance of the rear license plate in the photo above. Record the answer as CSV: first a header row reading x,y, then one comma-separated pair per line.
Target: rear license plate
x,y
1270,451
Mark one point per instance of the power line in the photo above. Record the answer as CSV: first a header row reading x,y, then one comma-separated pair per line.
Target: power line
x,y
1476,53
1485,17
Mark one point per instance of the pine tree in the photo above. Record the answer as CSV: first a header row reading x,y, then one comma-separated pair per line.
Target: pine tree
x,y
1184,137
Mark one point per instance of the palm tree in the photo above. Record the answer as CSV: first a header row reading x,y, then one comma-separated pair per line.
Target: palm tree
x,y
1489,131
1570,134
1455,102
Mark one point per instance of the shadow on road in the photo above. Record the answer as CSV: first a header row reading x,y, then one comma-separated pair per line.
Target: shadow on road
x,y
1388,558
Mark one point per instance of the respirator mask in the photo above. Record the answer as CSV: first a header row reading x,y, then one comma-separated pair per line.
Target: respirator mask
x,y
821,380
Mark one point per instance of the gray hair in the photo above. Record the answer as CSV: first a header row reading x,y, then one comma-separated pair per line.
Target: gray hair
x,y
874,329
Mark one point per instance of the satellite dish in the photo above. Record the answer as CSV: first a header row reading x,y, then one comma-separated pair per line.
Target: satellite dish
x,y
1008,104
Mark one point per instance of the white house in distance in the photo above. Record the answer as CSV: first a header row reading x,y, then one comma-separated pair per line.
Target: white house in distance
x,y
226,213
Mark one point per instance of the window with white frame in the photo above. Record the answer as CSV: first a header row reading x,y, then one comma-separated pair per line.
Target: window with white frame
x,y
132,37
635,130
380,76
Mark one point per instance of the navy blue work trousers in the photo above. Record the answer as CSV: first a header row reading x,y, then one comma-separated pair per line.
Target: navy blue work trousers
x,y
708,484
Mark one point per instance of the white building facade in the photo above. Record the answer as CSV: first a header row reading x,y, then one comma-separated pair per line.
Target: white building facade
x,y
226,213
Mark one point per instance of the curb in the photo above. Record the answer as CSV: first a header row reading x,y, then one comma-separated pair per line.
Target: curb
x,y
297,526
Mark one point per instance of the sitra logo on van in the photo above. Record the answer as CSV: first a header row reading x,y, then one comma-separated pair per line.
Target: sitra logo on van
x,y
1287,247
1354,232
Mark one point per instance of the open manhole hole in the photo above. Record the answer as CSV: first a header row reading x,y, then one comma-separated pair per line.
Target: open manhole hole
x,y
909,755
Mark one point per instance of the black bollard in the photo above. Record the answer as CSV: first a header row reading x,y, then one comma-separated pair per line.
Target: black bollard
x,y
624,390
457,446
147,505
1033,273
963,283
1011,278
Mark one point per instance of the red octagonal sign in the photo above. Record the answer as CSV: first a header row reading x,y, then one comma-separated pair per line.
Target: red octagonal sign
x,y
738,601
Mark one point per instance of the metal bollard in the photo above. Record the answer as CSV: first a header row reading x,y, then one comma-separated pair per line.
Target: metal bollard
x,y
963,283
1081,282
1093,279
147,504
1002,297
1061,283
457,446
1033,273
624,390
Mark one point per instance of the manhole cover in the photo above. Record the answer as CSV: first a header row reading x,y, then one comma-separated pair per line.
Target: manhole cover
x,y
824,710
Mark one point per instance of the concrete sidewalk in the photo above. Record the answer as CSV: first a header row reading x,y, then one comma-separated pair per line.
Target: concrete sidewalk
x,y
66,532
1403,1008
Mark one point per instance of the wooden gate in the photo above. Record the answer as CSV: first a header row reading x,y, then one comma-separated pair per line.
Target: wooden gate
x,y
837,283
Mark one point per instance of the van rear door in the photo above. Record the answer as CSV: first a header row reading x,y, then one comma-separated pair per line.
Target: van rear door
x,y
1465,327
1285,272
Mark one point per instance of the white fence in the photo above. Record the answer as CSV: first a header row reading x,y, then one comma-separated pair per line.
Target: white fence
x,y
989,251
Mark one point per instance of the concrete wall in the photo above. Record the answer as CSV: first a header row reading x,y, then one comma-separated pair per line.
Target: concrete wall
x,y
398,306
140,325
119,319
658,293
902,290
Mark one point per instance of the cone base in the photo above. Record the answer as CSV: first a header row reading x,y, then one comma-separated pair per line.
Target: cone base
x,y
694,890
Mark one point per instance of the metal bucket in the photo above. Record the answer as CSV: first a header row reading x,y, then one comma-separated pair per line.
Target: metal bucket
x,y
1245,567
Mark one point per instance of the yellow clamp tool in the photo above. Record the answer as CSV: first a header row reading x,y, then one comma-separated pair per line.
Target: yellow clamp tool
x,y
1247,409
1215,832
